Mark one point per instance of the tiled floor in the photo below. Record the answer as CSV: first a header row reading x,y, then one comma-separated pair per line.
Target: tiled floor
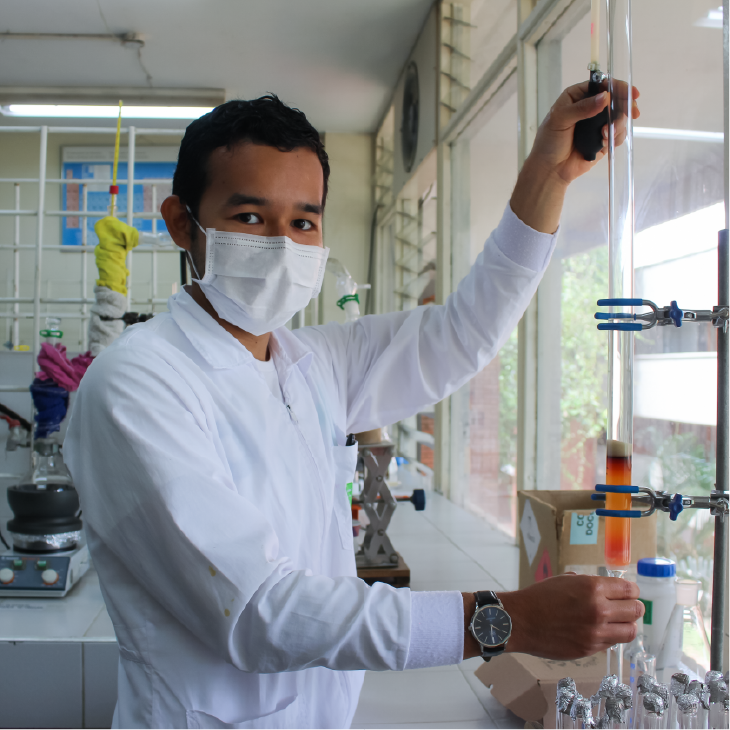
x,y
447,548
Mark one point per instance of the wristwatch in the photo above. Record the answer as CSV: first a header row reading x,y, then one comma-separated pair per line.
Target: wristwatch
x,y
490,625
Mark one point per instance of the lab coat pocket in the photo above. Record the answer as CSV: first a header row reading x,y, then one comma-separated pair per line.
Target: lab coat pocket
x,y
279,718
345,463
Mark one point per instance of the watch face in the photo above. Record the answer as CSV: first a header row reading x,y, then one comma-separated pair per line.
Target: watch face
x,y
491,626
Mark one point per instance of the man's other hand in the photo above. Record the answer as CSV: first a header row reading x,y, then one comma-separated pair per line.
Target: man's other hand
x,y
566,617
554,162
554,147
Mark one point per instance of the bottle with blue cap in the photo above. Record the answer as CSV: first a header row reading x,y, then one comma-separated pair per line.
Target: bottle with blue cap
x,y
656,580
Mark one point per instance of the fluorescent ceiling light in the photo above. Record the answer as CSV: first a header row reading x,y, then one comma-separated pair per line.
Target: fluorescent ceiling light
x,y
104,112
691,135
713,19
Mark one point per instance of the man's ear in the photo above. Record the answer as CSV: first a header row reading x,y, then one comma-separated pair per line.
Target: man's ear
x,y
177,219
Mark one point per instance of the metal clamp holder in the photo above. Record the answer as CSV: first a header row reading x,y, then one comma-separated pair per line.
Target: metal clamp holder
x,y
673,504
658,316
379,505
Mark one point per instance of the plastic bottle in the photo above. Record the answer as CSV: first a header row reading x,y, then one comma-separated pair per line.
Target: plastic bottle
x,y
656,581
685,647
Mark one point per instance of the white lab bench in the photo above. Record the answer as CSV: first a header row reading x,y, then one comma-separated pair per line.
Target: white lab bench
x,y
58,660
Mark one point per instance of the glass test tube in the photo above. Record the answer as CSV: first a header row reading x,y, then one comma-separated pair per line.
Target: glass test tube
x,y
653,717
677,686
621,279
645,685
687,712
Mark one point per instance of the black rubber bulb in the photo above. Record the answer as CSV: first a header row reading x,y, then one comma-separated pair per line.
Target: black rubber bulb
x,y
588,136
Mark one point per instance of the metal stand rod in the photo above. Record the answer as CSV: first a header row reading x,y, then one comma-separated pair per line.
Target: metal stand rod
x,y
720,566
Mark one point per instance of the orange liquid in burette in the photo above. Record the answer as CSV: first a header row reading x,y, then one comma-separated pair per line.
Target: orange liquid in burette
x,y
618,529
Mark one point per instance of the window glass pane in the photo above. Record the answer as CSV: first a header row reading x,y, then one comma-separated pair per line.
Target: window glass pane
x,y
679,192
484,173
409,240
473,34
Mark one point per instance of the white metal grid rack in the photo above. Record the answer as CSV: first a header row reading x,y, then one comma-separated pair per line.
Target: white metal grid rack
x,y
42,181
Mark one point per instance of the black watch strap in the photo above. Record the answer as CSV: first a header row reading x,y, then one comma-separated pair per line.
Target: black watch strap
x,y
488,598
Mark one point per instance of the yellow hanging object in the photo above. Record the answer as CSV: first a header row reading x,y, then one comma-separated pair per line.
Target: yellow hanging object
x,y
115,240
114,188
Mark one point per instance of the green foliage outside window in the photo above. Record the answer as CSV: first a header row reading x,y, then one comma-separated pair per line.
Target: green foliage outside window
x,y
584,364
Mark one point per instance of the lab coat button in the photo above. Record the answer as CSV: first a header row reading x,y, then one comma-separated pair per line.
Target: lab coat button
x,y
6,576
49,577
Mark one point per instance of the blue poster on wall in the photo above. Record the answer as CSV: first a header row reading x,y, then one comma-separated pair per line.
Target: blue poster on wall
x,y
98,198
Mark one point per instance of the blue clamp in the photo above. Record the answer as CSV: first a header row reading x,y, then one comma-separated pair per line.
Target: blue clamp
x,y
620,302
675,506
621,327
616,489
632,513
614,315
676,315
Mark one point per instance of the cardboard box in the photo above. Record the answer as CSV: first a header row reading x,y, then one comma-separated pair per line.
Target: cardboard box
x,y
560,528
527,685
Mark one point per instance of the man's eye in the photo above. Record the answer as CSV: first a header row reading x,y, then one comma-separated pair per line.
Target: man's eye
x,y
249,218
303,225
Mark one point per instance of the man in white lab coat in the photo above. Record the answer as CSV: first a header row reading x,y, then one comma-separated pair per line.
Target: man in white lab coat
x,y
209,445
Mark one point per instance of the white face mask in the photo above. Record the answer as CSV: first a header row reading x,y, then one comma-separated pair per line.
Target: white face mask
x,y
258,283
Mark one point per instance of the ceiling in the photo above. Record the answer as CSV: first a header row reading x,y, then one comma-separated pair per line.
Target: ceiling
x,y
337,60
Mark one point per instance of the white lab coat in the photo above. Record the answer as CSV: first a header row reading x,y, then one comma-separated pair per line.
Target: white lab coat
x,y
217,516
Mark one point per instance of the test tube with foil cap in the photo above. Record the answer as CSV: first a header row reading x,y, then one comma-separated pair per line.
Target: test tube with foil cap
x,y
677,686
606,689
563,705
626,695
697,688
718,710
581,713
687,711
663,691
653,716
644,685
615,716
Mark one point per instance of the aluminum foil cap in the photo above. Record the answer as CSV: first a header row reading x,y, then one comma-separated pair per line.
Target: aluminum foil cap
x,y
615,709
704,698
608,686
654,703
568,682
581,711
678,683
564,700
663,691
718,691
645,683
695,687
713,676
624,693
688,704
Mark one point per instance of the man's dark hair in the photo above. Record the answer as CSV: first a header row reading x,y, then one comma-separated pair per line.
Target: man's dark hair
x,y
266,121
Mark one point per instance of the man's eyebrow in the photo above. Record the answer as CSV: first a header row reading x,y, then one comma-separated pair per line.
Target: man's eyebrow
x,y
241,199
310,208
